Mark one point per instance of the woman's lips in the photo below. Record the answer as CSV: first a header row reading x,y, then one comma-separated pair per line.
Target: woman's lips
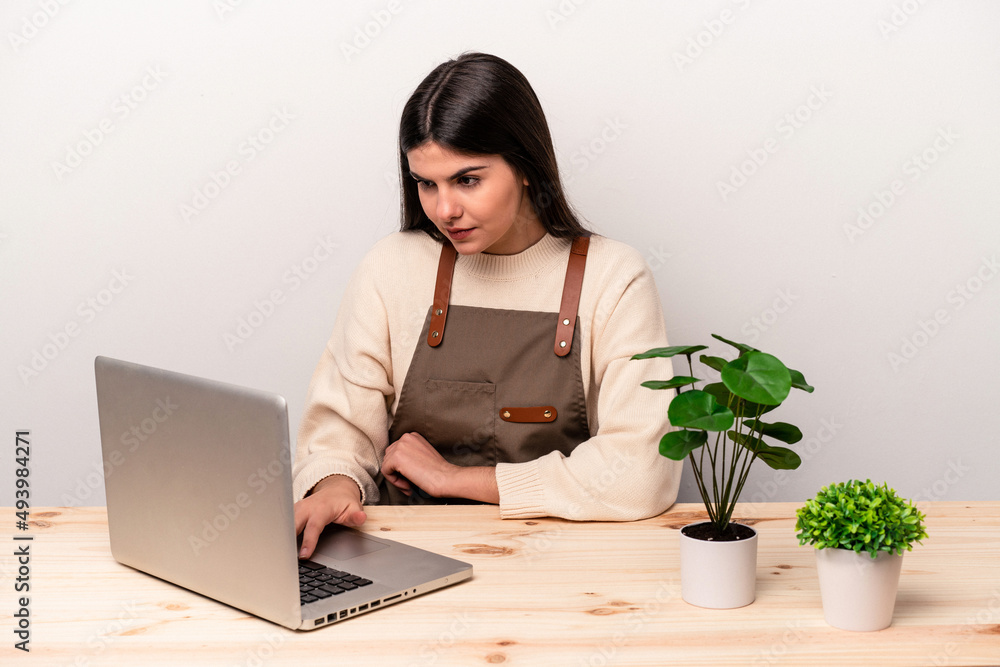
x,y
458,234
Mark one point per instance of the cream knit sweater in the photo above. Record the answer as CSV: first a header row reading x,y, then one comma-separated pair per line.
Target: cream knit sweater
x,y
618,474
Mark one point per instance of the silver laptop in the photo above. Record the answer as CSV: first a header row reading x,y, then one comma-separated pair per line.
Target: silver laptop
x,y
199,493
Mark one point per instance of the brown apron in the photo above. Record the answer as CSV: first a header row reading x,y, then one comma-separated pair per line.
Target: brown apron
x,y
498,390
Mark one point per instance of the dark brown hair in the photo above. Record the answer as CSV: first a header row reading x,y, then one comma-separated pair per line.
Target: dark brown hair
x,y
480,104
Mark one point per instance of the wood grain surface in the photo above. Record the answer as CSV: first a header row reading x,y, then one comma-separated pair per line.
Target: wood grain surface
x,y
545,592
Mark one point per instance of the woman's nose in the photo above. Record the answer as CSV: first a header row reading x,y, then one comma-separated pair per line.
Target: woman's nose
x,y
448,207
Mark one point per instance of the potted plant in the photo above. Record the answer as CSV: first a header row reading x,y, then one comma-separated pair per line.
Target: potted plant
x,y
860,531
719,556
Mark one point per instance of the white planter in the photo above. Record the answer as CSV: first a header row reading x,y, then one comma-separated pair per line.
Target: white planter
x,y
718,575
858,591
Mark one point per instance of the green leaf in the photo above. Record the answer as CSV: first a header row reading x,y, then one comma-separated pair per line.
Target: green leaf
x,y
670,351
696,409
673,383
778,458
715,363
677,445
862,516
724,397
787,433
758,377
739,346
799,381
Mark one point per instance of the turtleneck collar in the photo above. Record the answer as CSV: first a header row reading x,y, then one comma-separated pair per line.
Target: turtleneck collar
x,y
525,264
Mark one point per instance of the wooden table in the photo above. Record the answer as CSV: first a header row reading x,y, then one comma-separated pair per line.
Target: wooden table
x,y
545,592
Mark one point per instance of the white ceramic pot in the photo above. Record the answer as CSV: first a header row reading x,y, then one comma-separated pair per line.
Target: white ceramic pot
x,y
718,575
858,591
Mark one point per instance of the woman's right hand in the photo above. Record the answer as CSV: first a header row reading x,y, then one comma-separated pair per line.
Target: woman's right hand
x,y
334,499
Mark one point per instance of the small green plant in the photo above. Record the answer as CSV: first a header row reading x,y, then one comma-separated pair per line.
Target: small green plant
x,y
860,516
752,384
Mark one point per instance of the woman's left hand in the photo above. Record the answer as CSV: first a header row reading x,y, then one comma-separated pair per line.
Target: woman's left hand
x,y
417,461
413,459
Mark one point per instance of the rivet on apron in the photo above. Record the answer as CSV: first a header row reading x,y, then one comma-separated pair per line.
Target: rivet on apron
x,y
434,334
439,311
566,322
506,414
562,343
547,413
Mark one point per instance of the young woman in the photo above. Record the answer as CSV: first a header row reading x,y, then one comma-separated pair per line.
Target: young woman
x,y
482,353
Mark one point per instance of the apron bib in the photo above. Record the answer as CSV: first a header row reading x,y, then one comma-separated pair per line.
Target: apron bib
x,y
498,390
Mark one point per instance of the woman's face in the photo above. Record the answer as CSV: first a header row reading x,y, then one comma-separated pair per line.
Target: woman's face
x,y
476,201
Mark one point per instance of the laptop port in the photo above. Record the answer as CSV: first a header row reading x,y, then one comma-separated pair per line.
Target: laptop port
x,y
331,618
343,614
363,607
376,603
319,621
393,597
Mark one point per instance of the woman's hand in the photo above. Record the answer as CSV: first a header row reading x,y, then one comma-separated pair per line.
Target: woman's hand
x,y
334,499
413,459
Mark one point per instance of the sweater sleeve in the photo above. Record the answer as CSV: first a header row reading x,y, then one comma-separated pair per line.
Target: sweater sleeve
x,y
618,474
343,427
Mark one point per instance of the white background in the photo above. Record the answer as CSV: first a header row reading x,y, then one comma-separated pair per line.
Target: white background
x,y
651,105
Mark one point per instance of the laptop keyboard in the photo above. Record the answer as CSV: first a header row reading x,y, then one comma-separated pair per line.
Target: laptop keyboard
x,y
318,582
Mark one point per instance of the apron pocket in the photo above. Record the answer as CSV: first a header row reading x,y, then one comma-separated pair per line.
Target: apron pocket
x,y
460,421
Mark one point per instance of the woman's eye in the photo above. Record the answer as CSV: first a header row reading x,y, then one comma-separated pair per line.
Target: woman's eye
x,y
468,180
423,184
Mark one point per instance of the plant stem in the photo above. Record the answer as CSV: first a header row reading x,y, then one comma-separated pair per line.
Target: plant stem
x,y
736,457
739,488
745,469
701,486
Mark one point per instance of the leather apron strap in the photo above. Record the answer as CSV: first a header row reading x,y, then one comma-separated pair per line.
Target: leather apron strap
x,y
572,287
570,304
442,294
